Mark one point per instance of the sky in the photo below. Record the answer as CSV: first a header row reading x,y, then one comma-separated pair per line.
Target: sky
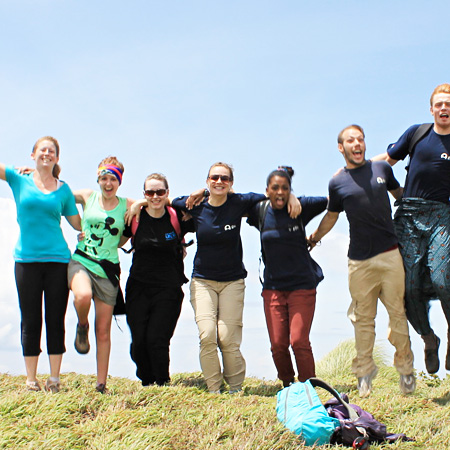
x,y
175,86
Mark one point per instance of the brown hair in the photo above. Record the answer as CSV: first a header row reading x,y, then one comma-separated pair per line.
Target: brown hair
x,y
56,168
222,164
340,138
442,88
157,176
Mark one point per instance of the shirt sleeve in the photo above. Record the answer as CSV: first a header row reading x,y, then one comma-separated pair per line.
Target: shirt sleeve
x,y
312,207
399,150
253,216
180,203
391,182
69,207
334,202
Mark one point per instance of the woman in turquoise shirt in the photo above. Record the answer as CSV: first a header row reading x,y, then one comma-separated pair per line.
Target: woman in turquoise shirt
x,y
41,256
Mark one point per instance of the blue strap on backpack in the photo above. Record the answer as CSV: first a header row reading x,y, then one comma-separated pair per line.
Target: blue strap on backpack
x,y
299,408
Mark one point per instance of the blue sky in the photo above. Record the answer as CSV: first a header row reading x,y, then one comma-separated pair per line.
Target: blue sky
x,y
174,86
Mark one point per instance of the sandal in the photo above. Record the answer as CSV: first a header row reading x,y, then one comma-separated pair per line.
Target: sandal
x,y
52,386
33,386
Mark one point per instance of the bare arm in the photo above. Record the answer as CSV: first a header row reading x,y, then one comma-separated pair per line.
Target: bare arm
x,y
134,210
385,157
2,171
123,240
326,224
294,206
75,221
397,193
82,195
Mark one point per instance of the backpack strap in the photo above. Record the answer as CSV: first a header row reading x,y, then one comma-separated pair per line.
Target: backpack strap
x,y
317,382
418,135
174,220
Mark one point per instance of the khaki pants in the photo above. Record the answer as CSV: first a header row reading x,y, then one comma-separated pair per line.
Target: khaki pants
x,y
218,307
381,277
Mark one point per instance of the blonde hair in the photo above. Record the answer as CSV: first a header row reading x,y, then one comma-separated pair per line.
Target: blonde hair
x,y
222,164
159,177
56,168
441,89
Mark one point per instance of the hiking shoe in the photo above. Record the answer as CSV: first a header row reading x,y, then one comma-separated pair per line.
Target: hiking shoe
x,y
33,386
432,352
365,383
101,387
52,386
82,339
408,383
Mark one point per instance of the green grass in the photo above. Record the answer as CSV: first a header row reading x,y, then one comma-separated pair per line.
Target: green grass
x,y
185,416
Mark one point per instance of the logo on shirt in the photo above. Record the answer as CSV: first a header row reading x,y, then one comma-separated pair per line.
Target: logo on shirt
x,y
381,180
294,228
171,236
445,156
229,227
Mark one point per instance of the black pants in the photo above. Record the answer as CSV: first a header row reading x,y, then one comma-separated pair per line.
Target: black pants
x,y
33,280
152,315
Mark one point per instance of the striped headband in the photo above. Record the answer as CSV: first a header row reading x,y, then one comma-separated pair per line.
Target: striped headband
x,y
112,170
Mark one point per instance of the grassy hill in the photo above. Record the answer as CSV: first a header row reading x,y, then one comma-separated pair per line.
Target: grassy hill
x,y
185,416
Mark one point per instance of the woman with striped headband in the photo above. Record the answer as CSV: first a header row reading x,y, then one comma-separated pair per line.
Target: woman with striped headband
x,y
94,269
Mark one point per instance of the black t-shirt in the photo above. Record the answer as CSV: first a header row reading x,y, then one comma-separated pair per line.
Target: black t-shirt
x,y
158,256
219,246
363,194
429,170
287,261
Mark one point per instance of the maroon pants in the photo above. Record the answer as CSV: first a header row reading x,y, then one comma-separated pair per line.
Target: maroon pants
x,y
289,315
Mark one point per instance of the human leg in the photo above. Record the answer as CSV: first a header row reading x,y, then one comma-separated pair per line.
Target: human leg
x,y
301,304
138,312
277,320
204,300
364,285
161,326
392,296
103,318
30,287
229,332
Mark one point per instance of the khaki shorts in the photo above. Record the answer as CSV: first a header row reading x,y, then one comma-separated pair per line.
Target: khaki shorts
x,y
102,288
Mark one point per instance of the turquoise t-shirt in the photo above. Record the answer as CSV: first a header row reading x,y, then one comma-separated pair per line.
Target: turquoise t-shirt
x,y
103,230
39,217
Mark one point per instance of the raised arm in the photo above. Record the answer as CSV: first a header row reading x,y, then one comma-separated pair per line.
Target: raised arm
x,y
82,195
385,157
294,206
326,224
2,171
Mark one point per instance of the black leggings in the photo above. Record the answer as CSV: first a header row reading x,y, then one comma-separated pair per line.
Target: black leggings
x,y
33,279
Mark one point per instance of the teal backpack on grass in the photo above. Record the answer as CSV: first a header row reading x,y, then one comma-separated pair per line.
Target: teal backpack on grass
x,y
299,408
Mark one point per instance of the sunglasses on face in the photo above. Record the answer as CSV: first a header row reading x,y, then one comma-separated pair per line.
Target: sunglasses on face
x,y
224,178
151,192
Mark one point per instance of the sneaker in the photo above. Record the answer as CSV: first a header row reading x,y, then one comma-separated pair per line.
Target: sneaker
x,y
408,383
214,391
432,355
365,383
52,386
33,386
101,387
82,339
235,391
288,383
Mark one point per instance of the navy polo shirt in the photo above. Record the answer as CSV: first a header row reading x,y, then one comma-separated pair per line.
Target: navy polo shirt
x,y
429,171
288,264
363,194
219,246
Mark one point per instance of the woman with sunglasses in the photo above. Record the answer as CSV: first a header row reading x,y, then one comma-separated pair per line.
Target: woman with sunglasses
x,y
290,275
153,292
94,269
217,286
41,256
